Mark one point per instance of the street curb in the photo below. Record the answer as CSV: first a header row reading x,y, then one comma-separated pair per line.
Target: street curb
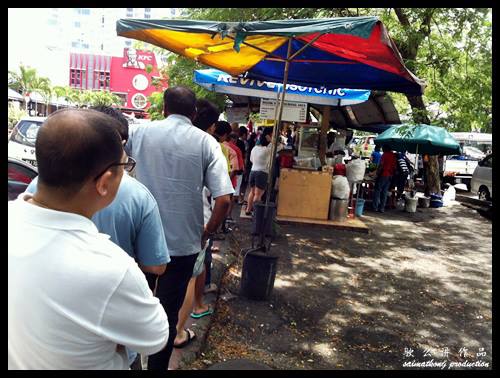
x,y
473,201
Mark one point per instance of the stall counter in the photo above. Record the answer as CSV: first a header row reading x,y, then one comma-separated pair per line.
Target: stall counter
x,y
304,193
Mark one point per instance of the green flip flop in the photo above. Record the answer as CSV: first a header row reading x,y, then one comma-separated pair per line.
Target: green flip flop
x,y
210,311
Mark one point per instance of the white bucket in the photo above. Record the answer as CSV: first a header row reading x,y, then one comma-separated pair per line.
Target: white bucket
x,y
411,204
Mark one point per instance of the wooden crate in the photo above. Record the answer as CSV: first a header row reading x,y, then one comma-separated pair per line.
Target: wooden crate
x,y
304,194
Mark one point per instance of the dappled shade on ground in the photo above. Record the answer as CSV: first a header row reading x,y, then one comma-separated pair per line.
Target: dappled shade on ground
x,y
353,301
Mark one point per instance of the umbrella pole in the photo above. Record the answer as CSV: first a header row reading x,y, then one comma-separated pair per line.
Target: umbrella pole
x,y
275,138
416,159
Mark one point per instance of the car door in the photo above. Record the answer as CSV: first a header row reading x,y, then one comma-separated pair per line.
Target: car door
x,y
20,176
482,175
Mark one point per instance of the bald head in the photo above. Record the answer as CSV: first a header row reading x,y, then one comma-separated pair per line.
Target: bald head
x,y
74,145
179,100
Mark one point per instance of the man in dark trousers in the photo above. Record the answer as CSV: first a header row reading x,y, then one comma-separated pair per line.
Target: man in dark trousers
x,y
175,160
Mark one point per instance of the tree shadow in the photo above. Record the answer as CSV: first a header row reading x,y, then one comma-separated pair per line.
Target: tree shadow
x,y
417,281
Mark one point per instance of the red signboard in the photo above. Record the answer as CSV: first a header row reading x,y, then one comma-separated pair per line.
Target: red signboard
x,y
129,76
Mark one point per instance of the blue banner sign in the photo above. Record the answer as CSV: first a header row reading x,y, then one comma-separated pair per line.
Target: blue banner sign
x,y
222,82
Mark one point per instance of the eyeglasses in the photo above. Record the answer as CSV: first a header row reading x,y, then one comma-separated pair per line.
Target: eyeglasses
x,y
129,165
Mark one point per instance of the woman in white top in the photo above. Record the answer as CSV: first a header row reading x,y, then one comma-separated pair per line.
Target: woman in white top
x,y
260,169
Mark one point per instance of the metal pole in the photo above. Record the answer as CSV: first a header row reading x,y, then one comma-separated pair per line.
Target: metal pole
x,y
277,122
275,136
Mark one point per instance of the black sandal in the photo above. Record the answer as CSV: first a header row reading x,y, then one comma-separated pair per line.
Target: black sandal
x,y
188,340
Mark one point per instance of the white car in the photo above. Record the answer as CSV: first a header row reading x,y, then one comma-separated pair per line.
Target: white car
x,y
22,139
481,182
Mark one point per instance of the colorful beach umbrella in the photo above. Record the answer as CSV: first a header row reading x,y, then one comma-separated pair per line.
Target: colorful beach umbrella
x,y
348,52
344,52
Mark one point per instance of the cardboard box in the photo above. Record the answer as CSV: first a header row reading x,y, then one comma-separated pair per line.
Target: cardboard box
x,y
304,194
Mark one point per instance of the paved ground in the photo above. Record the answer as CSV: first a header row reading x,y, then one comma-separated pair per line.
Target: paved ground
x,y
419,283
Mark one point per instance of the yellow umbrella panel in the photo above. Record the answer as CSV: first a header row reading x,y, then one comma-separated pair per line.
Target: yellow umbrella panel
x,y
211,50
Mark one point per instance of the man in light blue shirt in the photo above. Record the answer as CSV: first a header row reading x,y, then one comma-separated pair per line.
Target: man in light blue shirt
x,y
175,160
132,220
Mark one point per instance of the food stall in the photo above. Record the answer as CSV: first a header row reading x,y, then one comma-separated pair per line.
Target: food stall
x,y
303,174
308,192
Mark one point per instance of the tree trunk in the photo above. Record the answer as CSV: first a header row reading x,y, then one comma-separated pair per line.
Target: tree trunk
x,y
419,114
409,49
433,184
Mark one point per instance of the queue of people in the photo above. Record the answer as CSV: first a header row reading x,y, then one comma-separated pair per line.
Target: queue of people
x,y
109,260
116,264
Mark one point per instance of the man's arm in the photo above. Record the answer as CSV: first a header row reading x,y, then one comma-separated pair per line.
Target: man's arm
x,y
150,243
218,213
380,165
155,269
147,331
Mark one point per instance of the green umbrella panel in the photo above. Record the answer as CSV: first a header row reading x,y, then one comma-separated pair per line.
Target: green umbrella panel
x,y
419,139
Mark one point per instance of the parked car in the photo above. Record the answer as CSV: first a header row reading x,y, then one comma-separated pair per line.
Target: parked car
x,y
20,176
481,182
365,146
458,169
22,139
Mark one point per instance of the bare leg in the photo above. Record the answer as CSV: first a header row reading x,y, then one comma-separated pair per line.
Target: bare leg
x,y
184,312
199,288
230,209
250,199
258,194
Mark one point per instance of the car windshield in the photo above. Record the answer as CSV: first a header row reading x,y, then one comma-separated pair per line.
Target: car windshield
x,y
27,132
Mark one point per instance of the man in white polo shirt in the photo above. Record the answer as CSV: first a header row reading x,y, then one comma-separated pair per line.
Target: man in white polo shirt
x,y
75,299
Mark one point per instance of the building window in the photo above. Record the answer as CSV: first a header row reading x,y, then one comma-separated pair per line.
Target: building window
x,y
52,22
75,44
85,46
123,98
128,43
130,12
172,12
77,24
75,76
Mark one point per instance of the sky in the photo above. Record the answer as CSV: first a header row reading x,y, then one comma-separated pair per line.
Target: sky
x,y
28,35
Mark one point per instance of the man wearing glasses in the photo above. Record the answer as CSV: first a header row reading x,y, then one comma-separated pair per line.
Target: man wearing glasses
x,y
75,298
132,220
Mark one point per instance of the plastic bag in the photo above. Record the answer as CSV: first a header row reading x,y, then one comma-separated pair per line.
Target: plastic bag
x,y
449,195
339,169
355,170
340,187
